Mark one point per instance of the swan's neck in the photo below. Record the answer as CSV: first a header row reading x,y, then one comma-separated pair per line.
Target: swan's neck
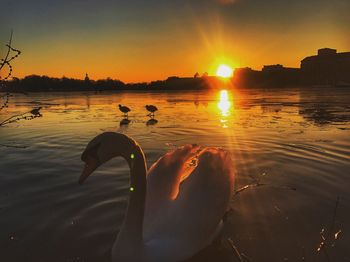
x,y
131,231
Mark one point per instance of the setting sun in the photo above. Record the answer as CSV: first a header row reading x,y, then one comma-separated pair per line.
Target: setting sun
x,y
224,71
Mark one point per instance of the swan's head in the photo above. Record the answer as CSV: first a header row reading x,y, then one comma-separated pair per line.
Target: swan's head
x,y
104,147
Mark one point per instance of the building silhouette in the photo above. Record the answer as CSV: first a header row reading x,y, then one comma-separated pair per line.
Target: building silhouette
x,y
270,76
326,68
87,79
273,69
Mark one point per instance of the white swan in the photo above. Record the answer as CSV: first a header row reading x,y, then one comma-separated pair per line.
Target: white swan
x,y
175,209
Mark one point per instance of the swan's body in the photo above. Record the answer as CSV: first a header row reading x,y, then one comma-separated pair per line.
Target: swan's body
x,y
175,208
124,109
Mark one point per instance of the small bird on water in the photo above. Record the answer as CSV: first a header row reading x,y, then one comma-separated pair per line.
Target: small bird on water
x,y
151,109
36,111
124,109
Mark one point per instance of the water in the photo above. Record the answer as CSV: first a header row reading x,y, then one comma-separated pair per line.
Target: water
x,y
288,139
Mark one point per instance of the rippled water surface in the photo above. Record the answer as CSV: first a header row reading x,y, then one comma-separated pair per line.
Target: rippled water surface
x,y
295,142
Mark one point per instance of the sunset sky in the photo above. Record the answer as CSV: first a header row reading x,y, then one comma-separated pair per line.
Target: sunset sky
x,y
146,40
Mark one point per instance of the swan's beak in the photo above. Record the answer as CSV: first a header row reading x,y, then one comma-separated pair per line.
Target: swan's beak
x,y
90,166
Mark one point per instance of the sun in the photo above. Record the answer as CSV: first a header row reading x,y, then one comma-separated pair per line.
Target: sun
x,y
224,71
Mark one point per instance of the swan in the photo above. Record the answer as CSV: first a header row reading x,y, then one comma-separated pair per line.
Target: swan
x,y
124,109
175,208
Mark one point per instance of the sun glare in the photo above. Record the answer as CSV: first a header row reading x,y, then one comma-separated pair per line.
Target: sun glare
x,y
224,71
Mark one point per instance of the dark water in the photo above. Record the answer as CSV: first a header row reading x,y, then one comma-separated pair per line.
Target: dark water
x,y
288,139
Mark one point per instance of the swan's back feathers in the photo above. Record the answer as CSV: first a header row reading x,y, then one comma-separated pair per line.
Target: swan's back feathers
x,y
166,174
206,193
188,192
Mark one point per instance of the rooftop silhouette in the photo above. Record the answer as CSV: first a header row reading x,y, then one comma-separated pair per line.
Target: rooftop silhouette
x,y
327,68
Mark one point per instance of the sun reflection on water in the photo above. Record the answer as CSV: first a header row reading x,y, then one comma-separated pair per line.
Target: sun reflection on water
x,y
225,106
224,103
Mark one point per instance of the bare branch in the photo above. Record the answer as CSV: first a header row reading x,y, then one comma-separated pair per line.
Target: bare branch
x,y
7,59
6,62
8,52
34,113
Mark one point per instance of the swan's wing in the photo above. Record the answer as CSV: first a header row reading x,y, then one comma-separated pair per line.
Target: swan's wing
x,y
191,220
165,175
192,217
163,180
204,196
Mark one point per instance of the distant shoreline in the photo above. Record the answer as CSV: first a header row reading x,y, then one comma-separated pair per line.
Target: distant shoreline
x,y
326,69
35,83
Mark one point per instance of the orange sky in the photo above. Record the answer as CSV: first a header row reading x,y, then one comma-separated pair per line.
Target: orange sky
x,y
134,45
